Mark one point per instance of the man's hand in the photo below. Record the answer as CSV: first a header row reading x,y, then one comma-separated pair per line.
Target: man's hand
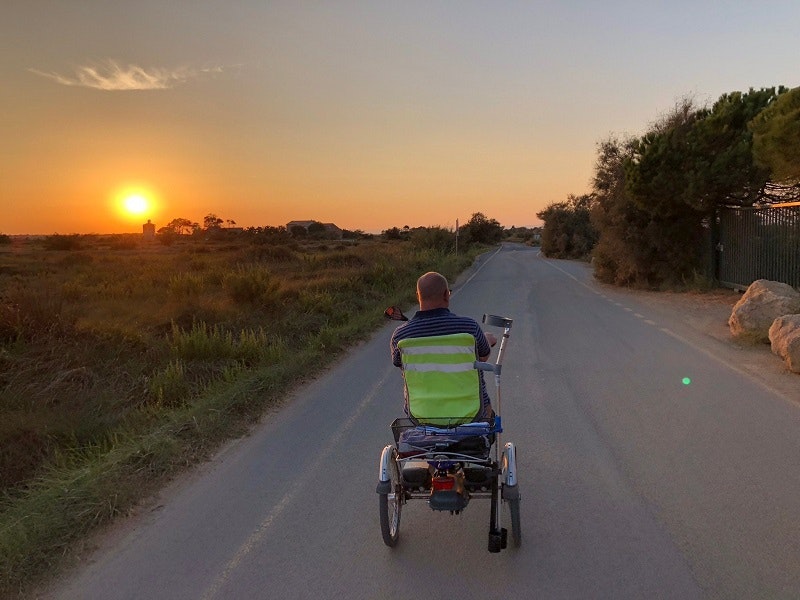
x,y
491,339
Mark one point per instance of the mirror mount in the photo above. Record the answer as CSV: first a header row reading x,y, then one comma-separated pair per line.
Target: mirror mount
x,y
393,313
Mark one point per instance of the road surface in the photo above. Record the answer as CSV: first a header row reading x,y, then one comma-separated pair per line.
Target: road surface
x,y
648,466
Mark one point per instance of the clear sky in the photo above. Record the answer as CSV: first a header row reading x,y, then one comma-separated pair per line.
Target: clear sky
x,y
367,114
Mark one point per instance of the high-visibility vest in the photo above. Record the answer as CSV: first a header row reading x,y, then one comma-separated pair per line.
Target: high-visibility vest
x,y
441,380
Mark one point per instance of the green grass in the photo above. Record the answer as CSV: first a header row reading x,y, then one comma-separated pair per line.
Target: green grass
x,y
120,365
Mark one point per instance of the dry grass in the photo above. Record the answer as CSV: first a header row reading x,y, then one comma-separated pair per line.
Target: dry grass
x,y
121,363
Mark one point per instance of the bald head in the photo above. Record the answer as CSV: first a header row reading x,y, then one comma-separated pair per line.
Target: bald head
x,y
433,291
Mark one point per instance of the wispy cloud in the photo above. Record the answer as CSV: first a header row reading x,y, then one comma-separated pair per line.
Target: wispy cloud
x,y
112,76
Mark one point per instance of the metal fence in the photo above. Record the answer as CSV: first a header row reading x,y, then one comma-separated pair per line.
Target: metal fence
x,y
758,243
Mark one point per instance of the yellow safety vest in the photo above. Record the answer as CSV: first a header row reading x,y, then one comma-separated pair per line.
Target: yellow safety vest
x,y
441,380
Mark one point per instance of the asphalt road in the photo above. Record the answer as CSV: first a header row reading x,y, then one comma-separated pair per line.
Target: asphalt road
x,y
648,467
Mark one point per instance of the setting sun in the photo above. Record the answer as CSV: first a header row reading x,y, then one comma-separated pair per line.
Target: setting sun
x,y
136,204
133,202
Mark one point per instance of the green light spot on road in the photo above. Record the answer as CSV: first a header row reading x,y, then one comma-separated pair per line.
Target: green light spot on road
x,y
686,381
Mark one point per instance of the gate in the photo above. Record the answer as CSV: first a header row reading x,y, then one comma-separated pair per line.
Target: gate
x,y
759,243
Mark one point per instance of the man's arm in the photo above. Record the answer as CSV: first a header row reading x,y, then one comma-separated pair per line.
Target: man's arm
x,y
483,344
396,359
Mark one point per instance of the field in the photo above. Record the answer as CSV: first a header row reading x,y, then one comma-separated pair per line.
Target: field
x,y
122,361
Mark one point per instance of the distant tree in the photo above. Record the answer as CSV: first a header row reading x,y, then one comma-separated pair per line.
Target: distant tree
x,y
181,226
268,235
230,222
356,234
212,221
776,137
5,239
524,234
568,231
393,233
481,230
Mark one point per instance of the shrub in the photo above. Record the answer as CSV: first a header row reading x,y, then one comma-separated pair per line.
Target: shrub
x,y
184,286
251,285
62,242
269,253
204,343
433,238
124,241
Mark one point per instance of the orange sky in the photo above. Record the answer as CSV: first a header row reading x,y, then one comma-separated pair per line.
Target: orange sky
x,y
367,115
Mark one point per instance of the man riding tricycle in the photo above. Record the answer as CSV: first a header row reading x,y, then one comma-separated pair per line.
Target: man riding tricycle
x,y
446,449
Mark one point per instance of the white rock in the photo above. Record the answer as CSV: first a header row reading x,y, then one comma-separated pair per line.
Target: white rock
x,y
762,303
784,337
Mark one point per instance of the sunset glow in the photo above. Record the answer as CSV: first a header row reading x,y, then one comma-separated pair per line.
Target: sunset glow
x,y
268,112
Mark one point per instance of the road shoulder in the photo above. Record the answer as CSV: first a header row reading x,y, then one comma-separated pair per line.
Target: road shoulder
x,y
703,317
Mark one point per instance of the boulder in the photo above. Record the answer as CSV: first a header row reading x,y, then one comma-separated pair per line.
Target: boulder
x,y
784,337
762,303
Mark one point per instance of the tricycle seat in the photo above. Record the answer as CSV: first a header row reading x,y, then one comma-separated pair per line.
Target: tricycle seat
x,y
471,440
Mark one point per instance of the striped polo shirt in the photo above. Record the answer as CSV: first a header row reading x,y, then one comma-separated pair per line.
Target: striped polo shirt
x,y
440,321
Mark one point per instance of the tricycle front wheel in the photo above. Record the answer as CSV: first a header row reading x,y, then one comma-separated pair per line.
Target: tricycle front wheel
x,y
390,505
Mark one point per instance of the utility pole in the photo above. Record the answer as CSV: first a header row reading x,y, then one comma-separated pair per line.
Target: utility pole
x,y
456,237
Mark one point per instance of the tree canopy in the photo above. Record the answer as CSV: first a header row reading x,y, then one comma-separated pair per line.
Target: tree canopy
x,y
776,137
656,196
